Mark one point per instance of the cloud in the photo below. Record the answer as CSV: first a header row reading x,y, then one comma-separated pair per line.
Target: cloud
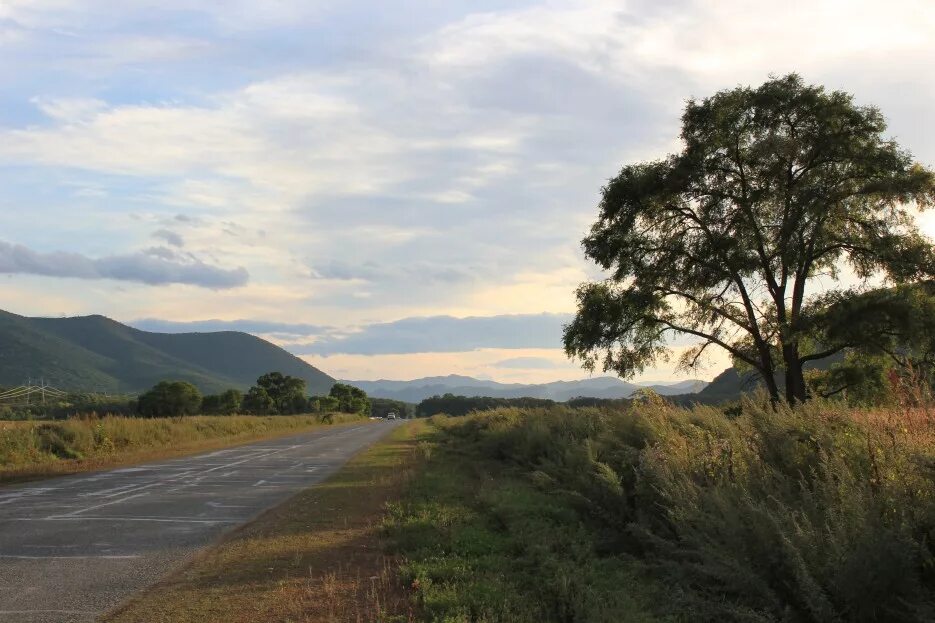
x,y
422,159
247,326
170,237
374,271
446,334
153,267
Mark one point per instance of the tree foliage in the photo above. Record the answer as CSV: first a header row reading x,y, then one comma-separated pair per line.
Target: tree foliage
x,y
170,399
257,401
775,187
381,407
287,393
350,399
225,403
450,404
888,335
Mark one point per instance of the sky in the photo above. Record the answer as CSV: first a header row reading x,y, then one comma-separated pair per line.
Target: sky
x,y
388,189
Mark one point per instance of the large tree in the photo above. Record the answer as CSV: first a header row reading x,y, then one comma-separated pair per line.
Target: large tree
x,y
774,187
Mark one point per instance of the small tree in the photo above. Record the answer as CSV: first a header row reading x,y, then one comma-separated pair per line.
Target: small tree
x,y
775,186
170,399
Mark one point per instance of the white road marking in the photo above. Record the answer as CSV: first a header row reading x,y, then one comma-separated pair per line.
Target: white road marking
x,y
102,556
83,612
91,508
116,518
219,505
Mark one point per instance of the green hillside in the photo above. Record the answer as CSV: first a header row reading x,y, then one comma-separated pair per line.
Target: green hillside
x,y
94,353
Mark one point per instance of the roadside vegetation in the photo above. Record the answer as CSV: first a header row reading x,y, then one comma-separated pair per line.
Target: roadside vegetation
x,y
35,449
655,512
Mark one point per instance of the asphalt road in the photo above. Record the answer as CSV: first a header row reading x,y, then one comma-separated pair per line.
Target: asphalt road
x,y
74,547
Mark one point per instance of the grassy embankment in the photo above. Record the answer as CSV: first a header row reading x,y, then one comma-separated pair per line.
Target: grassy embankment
x,y
38,449
659,513
317,557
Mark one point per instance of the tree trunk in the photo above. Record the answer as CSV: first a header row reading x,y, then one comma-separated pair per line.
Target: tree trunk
x,y
795,378
771,387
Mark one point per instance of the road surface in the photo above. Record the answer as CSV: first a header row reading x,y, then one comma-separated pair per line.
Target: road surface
x,y
74,547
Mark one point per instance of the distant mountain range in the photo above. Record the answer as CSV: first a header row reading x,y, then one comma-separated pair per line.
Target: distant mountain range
x,y
94,353
600,387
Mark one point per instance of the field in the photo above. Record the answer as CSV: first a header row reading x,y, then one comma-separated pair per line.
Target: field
x,y
659,513
38,449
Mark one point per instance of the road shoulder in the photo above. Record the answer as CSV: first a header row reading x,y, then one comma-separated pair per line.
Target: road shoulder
x,y
317,557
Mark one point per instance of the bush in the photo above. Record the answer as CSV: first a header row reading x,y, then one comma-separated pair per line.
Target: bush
x,y
808,514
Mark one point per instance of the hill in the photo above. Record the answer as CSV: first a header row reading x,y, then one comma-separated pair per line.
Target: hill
x,y
600,387
95,353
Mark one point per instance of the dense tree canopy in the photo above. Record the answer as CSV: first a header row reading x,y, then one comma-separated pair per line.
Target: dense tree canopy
x,y
350,399
286,392
170,399
381,407
449,404
226,403
257,401
775,187
888,335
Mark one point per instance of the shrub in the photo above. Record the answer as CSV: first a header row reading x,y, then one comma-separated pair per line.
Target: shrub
x,y
808,514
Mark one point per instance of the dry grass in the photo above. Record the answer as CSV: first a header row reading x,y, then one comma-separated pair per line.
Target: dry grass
x,y
318,557
32,450
913,426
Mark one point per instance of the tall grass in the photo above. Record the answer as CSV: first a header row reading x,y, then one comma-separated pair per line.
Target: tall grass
x,y
816,513
34,448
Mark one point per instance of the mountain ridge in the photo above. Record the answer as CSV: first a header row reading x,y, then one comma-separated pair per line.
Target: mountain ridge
x,y
417,390
96,353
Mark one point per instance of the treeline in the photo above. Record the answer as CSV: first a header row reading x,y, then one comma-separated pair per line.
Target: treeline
x,y
73,404
450,404
273,394
381,407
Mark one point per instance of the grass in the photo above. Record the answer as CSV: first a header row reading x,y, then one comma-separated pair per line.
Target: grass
x,y
813,514
31,450
317,557
481,542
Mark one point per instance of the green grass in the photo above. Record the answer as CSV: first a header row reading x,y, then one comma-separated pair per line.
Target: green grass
x,y
813,514
482,542
37,449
